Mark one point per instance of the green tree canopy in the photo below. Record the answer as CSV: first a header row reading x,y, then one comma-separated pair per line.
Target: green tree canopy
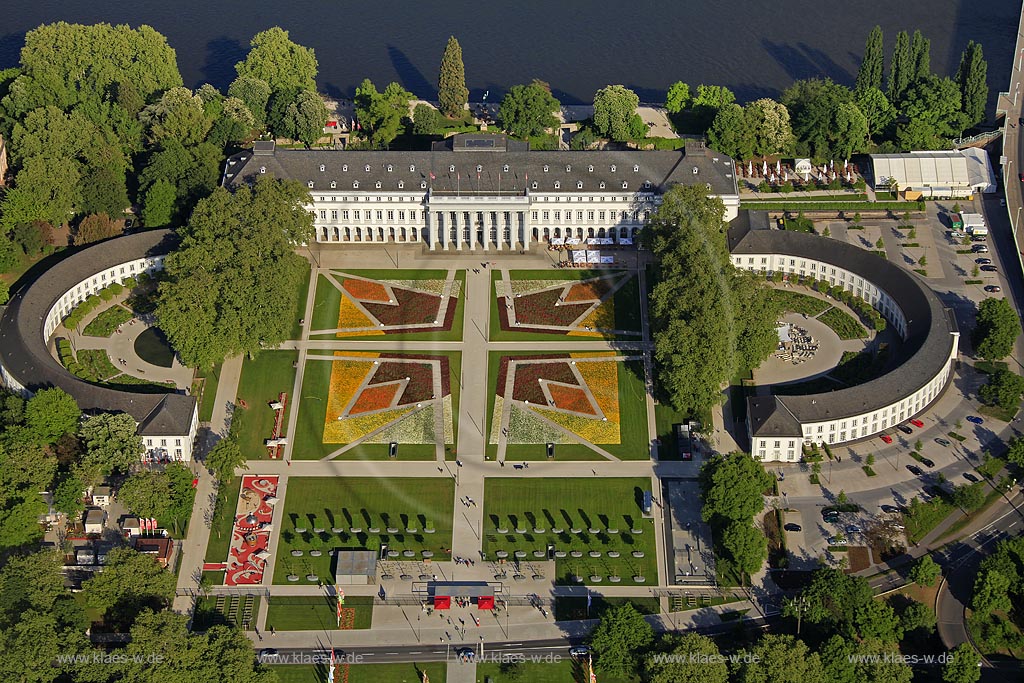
x,y
920,57
730,132
996,329
233,285
769,126
276,60
879,113
224,458
1004,389
297,114
708,100
255,93
51,413
193,171
696,659
732,487
146,493
964,666
826,121
452,93
850,661
381,114
901,68
158,204
678,97
931,109
780,659
179,114
972,77
129,583
870,73
529,110
925,571
845,605
111,441
991,592
618,641
615,114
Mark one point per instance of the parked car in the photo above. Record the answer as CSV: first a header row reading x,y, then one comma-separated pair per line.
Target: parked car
x,y
892,509
927,462
793,527
990,269
957,235
579,651
915,470
837,540
917,423
983,261
974,419
943,442
905,429
980,248
852,529
886,438
970,477
267,652
993,289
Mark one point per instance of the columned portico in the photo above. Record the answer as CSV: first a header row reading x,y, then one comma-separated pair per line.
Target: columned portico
x,y
487,222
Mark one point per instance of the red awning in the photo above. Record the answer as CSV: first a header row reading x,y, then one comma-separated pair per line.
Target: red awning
x,y
442,602
485,602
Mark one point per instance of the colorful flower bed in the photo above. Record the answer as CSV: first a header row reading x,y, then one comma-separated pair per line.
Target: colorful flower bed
x,y
432,286
601,318
374,398
411,308
570,398
527,428
346,378
602,377
421,380
351,429
540,309
353,320
590,429
527,286
526,384
365,290
590,290
415,428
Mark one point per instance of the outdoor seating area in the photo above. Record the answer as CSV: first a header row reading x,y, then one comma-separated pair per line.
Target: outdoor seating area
x,y
589,258
796,345
275,444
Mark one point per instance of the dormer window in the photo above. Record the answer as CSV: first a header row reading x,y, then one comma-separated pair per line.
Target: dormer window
x,y
377,184
479,168
579,184
625,185
602,184
557,185
708,186
334,184
695,170
504,169
568,168
401,184
647,184
367,168
423,184
636,168
344,168
310,184
590,168
613,168
533,185
263,169
389,168
451,169
545,168
355,184
412,168
322,168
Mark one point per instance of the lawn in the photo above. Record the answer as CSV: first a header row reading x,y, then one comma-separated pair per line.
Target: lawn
x,y
664,417
538,507
363,504
262,380
211,379
571,609
309,429
104,324
230,611
220,529
843,324
318,613
634,440
96,364
327,303
300,305
626,301
561,670
796,302
365,673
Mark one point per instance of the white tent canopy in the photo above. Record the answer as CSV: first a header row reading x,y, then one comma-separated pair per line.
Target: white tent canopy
x,y
945,173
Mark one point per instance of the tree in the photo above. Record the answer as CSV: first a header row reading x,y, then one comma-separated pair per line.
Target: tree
x,y
918,617
920,57
45,189
111,441
880,244
104,189
425,119
528,110
179,114
991,592
255,93
964,666
306,117
730,133
194,172
996,329
51,413
847,660
232,286
615,114
851,130
1004,389
826,121
846,605
972,77
619,639
146,493
707,102
678,97
901,68
129,583
96,228
452,93
695,658
5,292
870,73
1015,451
279,62
780,659
381,114
224,458
931,109
746,547
67,495
769,125
158,204
925,571
732,487
878,111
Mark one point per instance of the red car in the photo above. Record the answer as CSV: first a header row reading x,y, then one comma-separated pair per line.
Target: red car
x,y
917,423
886,438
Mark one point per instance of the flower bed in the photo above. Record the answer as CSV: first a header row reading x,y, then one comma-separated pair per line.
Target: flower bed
x,y
104,324
346,378
602,378
374,398
366,290
353,320
593,430
527,428
540,309
570,398
350,429
526,384
411,308
415,428
421,379
601,318
590,290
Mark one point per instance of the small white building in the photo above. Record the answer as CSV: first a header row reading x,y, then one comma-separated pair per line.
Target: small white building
x,y
101,496
94,519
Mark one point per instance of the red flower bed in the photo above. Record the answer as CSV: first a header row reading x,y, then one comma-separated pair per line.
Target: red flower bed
x,y
569,398
525,386
365,290
374,398
540,309
421,380
413,308
446,380
507,327
593,289
445,325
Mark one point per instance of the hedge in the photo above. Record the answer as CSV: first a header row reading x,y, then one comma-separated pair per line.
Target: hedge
x,y
830,206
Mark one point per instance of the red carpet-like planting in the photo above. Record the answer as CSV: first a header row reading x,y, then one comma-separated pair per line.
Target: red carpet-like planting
x,y
413,308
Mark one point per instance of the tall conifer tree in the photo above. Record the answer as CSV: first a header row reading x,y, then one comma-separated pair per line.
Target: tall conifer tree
x,y
920,50
972,77
451,84
900,68
870,74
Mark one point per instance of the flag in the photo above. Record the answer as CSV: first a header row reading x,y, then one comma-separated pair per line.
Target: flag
x,y
426,679
590,665
341,602
382,594
589,599
330,671
432,176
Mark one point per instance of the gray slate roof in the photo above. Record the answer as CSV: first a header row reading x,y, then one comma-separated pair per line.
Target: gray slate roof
x,y
930,327
23,351
660,168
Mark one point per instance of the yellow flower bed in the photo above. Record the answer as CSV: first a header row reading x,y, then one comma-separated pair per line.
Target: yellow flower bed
x,y
602,377
594,431
346,378
600,318
592,354
351,429
353,320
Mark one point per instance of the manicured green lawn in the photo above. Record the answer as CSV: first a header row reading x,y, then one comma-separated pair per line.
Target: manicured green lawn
x,y
843,324
104,324
212,379
309,429
365,673
562,670
627,304
316,612
328,300
796,302
580,503
220,530
231,612
363,503
634,440
568,609
300,304
262,380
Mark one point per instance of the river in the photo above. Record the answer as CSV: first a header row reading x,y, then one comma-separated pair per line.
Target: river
x,y
755,47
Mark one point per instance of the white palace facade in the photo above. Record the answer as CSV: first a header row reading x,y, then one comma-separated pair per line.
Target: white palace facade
x,y
485,191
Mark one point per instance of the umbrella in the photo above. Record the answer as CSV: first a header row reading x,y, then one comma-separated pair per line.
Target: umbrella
x,y
271,500
831,163
848,178
764,167
785,176
778,166
750,168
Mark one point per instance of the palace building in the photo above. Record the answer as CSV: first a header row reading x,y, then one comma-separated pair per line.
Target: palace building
x,y
479,191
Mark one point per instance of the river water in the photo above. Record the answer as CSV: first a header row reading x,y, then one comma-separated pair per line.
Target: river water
x,y
755,47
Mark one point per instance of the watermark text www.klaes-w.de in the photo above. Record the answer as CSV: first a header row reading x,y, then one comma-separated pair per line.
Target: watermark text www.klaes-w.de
x,y
705,658
900,658
110,658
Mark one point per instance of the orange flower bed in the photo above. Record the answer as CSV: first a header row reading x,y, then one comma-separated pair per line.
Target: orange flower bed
x,y
366,290
588,291
346,377
374,398
570,398
601,318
